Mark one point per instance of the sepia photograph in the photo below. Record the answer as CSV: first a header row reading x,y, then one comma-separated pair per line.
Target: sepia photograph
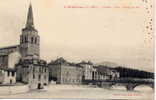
x,y
77,49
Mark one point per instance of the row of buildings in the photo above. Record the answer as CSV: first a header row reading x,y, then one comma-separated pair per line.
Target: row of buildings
x,y
22,63
64,72
38,73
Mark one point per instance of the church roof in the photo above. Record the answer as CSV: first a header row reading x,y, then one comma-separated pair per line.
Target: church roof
x,y
30,20
9,47
7,50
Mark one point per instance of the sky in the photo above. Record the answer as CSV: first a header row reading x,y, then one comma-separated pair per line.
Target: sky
x,y
115,35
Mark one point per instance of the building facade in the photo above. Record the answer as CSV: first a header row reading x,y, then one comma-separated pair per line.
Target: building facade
x,y
107,72
4,55
87,70
64,72
7,76
33,72
92,72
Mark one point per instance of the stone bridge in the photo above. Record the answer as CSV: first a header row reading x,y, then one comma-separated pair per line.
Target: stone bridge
x,y
129,83
131,86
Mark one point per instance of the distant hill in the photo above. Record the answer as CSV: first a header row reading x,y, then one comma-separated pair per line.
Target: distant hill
x,y
107,63
124,71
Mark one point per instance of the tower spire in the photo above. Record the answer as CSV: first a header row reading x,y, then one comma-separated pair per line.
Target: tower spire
x,y
30,20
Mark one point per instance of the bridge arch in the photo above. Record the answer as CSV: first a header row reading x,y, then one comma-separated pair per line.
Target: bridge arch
x,y
131,87
148,85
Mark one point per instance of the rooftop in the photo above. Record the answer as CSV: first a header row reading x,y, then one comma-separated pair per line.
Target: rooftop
x,y
9,47
61,60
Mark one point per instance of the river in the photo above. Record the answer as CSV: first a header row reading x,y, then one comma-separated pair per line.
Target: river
x,y
86,92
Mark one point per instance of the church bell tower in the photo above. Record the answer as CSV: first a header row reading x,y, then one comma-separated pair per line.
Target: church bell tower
x,y
29,39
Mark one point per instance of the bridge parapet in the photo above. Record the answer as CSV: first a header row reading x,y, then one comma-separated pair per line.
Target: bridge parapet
x,y
131,86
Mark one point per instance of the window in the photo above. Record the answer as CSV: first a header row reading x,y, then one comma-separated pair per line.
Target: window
x,y
36,40
33,76
33,69
39,77
25,39
10,81
8,73
32,39
40,69
13,73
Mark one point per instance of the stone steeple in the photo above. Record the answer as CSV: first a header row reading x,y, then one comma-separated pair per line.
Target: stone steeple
x,y
29,39
30,20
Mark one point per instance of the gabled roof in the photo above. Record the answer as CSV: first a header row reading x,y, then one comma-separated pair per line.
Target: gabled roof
x,y
9,47
61,60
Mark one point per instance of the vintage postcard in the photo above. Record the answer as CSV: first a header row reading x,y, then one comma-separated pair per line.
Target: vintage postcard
x,y
77,49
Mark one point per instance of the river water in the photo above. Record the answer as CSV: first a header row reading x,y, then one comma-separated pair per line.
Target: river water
x,y
86,92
